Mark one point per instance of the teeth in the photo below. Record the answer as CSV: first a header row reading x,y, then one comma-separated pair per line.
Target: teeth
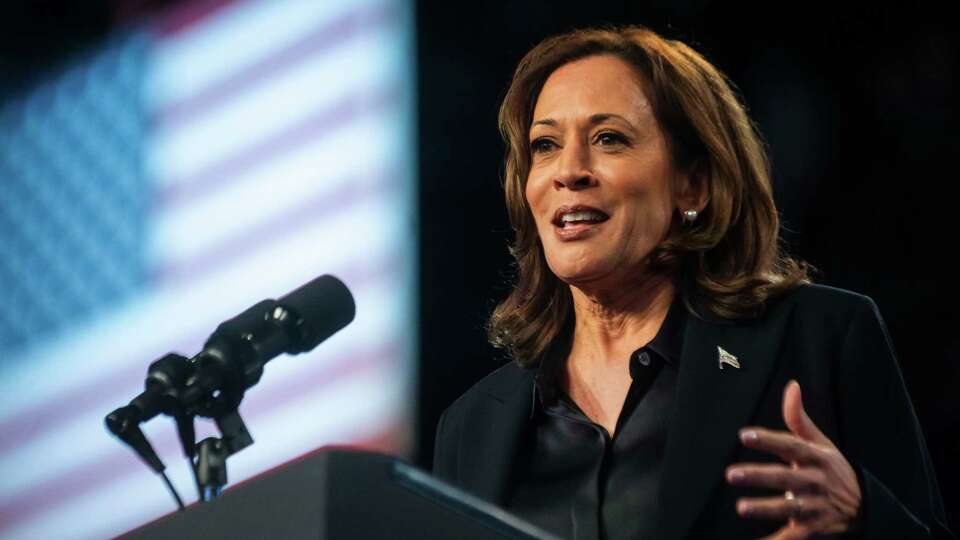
x,y
581,216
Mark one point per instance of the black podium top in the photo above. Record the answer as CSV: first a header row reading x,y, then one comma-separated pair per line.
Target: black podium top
x,y
342,494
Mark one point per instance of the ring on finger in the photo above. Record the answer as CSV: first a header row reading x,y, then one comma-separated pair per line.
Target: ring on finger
x,y
796,502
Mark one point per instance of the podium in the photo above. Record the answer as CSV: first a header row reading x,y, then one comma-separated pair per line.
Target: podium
x,y
339,494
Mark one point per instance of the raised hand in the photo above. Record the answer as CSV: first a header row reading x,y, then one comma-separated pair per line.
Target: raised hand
x,y
819,491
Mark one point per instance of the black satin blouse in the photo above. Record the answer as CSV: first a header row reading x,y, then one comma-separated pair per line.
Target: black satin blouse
x,y
576,481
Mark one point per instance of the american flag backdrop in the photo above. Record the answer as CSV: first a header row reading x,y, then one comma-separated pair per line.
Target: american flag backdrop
x,y
164,181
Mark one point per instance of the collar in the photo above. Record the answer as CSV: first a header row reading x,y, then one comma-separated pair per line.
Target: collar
x,y
667,344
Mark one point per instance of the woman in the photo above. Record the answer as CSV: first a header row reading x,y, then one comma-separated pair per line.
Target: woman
x,y
660,338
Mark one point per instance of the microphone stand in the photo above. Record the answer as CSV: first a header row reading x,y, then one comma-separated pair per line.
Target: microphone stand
x,y
183,390
210,467
232,361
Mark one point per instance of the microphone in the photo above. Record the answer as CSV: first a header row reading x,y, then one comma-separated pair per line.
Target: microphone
x,y
233,357
213,382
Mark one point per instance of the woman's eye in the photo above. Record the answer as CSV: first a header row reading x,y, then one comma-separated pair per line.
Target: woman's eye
x,y
541,145
608,138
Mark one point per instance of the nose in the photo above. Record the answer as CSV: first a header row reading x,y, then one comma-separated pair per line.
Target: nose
x,y
573,168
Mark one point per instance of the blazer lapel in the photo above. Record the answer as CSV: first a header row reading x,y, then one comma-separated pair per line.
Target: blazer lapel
x,y
711,405
493,432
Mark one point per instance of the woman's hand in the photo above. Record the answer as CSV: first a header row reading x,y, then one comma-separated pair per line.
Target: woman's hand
x,y
820,493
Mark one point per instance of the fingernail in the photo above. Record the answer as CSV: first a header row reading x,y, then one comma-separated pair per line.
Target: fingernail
x,y
735,475
748,435
743,509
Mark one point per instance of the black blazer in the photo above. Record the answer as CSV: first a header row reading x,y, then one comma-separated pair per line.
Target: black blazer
x,y
833,342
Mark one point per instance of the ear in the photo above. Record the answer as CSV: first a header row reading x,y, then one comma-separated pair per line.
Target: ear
x,y
693,188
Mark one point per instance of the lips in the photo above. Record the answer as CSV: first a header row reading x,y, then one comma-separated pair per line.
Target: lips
x,y
568,216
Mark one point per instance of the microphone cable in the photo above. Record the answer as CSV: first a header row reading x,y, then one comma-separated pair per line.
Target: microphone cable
x,y
173,491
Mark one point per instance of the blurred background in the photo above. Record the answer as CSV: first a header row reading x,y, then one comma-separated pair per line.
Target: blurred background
x,y
166,164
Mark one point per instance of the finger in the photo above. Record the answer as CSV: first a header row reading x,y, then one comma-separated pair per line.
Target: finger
x,y
776,476
786,445
796,418
800,508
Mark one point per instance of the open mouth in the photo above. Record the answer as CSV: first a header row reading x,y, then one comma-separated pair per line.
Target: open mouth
x,y
566,216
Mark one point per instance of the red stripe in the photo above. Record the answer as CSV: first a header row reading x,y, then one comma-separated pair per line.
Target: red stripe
x,y
319,39
186,15
97,472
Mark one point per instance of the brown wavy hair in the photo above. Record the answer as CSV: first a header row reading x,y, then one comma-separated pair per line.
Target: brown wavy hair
x,y
727,265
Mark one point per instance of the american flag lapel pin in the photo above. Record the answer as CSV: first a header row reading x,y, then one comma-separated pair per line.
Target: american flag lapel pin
x,y
727,358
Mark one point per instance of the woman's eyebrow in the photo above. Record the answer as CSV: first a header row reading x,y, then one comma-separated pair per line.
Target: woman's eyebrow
x,y
603,117
545,122
593,120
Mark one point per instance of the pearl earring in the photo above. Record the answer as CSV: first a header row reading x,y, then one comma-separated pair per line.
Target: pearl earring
x,y
690,215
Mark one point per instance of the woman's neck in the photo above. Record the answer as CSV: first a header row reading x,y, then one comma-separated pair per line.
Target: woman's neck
x,y
610,325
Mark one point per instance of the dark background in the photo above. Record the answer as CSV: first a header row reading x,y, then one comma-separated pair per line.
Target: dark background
x,y
858,105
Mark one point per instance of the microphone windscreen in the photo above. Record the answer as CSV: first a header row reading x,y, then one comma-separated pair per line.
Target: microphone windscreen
x,y
325,305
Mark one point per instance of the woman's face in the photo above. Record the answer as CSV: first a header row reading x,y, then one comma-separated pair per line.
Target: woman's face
x,y
601,185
